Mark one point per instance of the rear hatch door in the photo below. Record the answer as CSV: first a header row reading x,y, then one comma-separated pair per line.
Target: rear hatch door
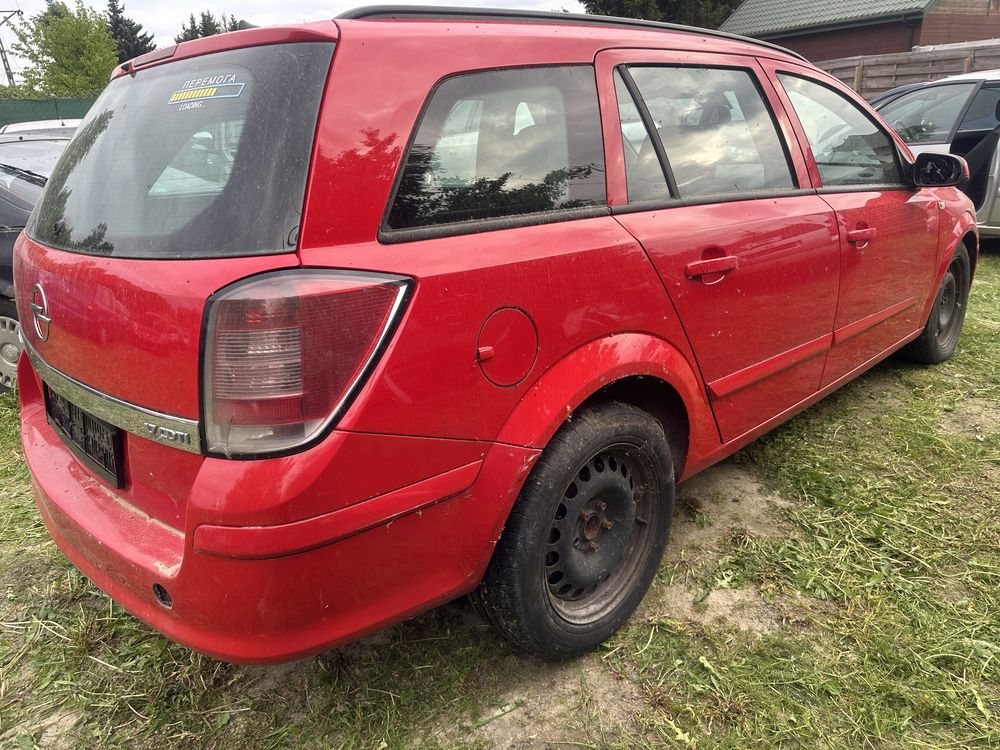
x,y
183,177
186,175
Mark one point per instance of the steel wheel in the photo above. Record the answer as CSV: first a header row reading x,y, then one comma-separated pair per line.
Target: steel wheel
x,y
584,539
949,312
599,532
939,338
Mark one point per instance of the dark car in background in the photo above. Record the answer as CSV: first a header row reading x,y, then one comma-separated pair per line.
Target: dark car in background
x,y
26,161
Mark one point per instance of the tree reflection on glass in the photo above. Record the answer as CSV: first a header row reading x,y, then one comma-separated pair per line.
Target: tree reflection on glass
x,y
49,224
427,198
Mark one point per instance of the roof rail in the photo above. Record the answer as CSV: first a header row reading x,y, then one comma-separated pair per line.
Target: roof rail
x,y
452,13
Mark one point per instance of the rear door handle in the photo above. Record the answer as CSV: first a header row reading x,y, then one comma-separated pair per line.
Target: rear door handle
x,y
697,268
861,236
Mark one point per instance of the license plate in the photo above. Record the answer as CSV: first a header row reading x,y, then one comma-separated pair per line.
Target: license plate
x,y
94,441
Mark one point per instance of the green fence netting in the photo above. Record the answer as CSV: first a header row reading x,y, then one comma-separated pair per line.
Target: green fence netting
x,y
26,110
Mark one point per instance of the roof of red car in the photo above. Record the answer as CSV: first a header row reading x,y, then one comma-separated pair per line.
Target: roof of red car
x,y
609,28
584,32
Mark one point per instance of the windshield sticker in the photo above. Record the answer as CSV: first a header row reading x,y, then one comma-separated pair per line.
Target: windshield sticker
x,y
197,90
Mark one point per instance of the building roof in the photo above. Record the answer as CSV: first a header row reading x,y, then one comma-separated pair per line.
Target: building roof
x,y
767,17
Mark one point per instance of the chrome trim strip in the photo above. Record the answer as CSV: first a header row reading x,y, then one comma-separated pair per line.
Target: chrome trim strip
x,y
183,434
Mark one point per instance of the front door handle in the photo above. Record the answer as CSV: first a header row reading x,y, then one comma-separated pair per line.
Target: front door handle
x,y
697,268
861,236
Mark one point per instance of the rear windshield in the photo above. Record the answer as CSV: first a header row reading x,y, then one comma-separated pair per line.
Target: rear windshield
x,y
205,157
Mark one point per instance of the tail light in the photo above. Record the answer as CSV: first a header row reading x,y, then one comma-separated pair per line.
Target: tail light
x,y
286,351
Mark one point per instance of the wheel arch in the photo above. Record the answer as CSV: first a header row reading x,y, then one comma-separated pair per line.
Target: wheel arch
x,y
962,229
971,241
637,368
660,400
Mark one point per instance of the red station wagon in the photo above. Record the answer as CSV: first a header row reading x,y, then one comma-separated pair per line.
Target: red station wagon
x,y
331,323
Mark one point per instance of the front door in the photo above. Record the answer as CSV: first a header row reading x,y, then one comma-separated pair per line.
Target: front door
x,y
888,230
749,258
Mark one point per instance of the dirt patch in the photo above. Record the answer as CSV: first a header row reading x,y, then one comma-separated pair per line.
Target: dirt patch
x,y
724,500
973,416
58,730
269,680
720,500
740,608
561,705
880,384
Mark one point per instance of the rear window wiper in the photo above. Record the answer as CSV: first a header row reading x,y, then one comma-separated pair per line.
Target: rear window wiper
x,y
25,174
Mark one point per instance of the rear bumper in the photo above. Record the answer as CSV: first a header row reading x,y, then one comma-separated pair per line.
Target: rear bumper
x,y
276,592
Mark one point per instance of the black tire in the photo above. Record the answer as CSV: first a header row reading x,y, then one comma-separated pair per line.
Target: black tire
x,y
938,340
585,537
9,345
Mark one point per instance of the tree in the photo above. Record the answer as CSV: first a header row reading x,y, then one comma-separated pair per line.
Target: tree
x,y
69,52
129,37
207,25
17,91
705,13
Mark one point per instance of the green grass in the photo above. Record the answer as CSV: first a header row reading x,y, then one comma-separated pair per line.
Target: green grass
x,y
882,575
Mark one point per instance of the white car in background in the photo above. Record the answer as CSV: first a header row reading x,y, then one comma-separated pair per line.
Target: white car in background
x,y
19,127
957,115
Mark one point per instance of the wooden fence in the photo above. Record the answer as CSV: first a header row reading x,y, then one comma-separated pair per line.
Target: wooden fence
x,y
873,74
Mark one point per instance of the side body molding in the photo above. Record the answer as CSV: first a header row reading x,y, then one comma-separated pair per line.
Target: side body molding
x,y
584,371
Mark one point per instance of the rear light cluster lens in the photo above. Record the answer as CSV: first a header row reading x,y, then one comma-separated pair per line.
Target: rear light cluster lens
x,y
285,351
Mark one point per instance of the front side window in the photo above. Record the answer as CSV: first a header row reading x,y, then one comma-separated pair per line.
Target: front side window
x,y
848,146
718,134
927,115
503,143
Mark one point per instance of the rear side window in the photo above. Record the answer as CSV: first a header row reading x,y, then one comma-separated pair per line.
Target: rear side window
x,y
718,134
848,146
202,157
503,143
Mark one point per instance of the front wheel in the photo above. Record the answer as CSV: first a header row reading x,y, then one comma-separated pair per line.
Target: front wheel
x,y
938,340
585,537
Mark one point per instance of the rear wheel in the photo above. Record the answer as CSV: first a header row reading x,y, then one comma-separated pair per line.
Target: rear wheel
x,y
586,535
938,340
10,347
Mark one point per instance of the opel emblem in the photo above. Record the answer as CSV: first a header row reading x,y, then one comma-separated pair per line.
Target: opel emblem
x,y
40,312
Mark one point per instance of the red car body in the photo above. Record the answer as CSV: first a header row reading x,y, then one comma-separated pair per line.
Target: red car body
x,y
504,334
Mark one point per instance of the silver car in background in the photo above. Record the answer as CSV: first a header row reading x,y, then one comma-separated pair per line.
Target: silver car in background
x,y
957,115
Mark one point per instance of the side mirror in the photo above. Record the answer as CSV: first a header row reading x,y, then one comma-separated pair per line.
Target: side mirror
x,y
940,170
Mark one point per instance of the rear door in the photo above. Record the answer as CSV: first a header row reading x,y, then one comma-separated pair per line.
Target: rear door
x,y
747,253
888,230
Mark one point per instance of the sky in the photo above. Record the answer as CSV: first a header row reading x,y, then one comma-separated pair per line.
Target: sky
x,y
164,19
